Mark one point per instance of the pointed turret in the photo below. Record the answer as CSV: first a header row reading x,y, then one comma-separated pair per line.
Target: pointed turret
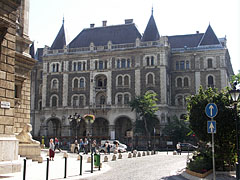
x,y
60,40
151,32
209,38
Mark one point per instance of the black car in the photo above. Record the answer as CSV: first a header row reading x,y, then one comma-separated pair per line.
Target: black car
x,y
187,146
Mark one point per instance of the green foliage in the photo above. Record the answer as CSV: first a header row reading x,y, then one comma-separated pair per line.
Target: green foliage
x,y
177,130
236,78
225,136
201,162
145,107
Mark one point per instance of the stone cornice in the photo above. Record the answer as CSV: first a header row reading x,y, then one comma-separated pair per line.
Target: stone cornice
x,y
24,61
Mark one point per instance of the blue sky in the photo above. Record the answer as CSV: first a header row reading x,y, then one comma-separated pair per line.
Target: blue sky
x,y
173,17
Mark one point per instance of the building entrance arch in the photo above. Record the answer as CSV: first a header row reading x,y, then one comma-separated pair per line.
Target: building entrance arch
x,y
122,125
54,127
100,127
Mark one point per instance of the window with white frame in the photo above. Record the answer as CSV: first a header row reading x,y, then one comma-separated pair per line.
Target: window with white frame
x,y
79,65
121,63
55,67
210,81
182,65
186,82
54,101
150,79
179,82
150,60
82,82
54,84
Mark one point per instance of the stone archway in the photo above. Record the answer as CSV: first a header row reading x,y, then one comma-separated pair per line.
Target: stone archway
x,y
122,125
100,127
54,127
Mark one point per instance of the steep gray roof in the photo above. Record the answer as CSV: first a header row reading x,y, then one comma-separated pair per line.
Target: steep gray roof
x,y
119,34
181,41
209,37
60,40
151,32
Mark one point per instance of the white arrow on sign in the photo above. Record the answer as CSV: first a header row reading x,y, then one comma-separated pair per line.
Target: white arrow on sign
x,y
211,127
211,110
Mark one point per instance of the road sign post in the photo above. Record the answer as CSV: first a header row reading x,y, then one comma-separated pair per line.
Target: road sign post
x,y
211,111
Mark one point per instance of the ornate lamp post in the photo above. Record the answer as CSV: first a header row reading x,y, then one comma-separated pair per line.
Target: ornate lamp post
x,y
235,95
76,118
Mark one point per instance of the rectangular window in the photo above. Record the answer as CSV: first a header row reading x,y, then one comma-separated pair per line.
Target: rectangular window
x,y
100,65
182,65
187,65
177,65
123,63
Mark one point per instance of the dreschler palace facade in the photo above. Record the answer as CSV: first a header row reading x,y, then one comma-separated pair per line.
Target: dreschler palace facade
x,y
103,68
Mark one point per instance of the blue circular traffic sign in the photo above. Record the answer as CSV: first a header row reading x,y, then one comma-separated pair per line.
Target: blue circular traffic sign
x,y
211,110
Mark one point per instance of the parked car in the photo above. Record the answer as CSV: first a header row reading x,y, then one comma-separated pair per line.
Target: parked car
x,y
121,147
187,146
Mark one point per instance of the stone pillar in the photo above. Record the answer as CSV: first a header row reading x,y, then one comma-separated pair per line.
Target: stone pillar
x,y
197,81
109,88
44,90
137,82
163,84
65,90
223,78
112,132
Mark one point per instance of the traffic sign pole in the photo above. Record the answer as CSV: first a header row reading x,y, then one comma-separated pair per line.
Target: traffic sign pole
x,y
213,159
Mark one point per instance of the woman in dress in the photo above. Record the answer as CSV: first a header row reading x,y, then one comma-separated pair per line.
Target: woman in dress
x,y
51,150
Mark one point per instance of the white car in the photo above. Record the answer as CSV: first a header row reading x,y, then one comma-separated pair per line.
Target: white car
x,y
121,147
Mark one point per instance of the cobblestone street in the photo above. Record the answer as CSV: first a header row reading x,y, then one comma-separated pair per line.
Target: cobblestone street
x,y
156,167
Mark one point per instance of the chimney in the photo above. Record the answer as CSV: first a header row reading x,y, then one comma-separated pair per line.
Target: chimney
x,y
197,32
92,25
128,21
104,23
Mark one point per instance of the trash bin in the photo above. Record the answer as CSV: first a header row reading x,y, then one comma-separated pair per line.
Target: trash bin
x,y
96,160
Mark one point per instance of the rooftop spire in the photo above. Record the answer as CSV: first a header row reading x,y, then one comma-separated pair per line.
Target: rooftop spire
x,y
152,10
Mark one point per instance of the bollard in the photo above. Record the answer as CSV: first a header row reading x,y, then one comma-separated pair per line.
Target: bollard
x,y
99,167
80,164
91,163
47,168
24,168
65,169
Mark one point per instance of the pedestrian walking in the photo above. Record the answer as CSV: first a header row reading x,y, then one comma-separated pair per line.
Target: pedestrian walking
x,y
57,145
179,151
81,146
85,144
75,146
51,150
94,145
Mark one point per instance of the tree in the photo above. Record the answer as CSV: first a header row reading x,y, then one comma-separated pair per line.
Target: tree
x,y
225,136
145,107
177,130
236,78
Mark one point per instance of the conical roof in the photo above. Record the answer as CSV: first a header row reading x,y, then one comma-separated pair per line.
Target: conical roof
x,y
209,37
151,32
60,40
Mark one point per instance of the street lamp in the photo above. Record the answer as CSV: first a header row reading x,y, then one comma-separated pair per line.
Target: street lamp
x,y
76,118
235,94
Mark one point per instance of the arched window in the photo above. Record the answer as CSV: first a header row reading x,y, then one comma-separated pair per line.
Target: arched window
x,y
123,63
185,82
100,83
118,63
81,83
40,105
150,79
148,61
54,68
74,66
209,63
210,81
126,98
102,100
152,60
119,99
75,101
54,84
54,101
119,81
179,82
128,63
84,66
81,101
75,83
187,65
126,81
79,66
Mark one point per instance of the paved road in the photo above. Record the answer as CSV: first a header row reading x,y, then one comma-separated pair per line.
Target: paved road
x,y
155,167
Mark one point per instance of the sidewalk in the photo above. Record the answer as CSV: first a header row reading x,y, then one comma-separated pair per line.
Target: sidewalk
x,y
37,171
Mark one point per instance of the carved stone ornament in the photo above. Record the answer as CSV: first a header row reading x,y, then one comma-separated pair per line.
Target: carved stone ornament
x,y
25,137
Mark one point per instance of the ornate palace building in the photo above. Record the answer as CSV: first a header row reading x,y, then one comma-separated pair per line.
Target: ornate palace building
x,y
15,73
103,68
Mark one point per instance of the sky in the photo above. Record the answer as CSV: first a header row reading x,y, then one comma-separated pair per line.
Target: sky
x,y
173,17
